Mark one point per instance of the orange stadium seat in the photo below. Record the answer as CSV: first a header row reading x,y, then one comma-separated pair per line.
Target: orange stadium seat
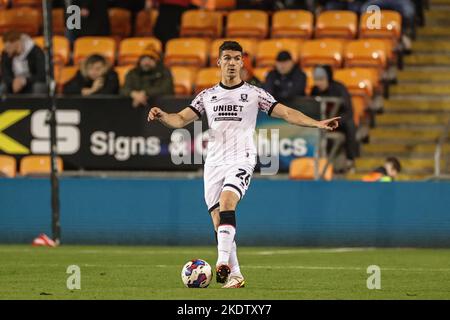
x,y
4,4
322,51
145,22
7,166
1,46
201,23
390,25
248,45
120,21
366,53
261,73
61,48
26,3
59,22
304,169
183,78
337,24
309,79
23,19
187,52
247,24
64,75
360,88
38,165
292,23
268,50
215,4
131,49
122,73
86,46
206,78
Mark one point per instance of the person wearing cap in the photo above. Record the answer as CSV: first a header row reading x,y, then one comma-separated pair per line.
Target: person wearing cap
x,y
150,78
286,81
326,86
95,77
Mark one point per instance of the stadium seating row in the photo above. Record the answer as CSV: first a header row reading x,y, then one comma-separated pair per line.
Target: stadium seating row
x,y
239,23
29,165
196,52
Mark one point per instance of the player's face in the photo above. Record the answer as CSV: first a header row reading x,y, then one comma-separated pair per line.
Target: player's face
x,y
231,63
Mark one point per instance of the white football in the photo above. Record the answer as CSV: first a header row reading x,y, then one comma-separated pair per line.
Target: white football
x,y
196,274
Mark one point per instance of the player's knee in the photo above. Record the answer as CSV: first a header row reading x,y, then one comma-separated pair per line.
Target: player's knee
x,y
228,204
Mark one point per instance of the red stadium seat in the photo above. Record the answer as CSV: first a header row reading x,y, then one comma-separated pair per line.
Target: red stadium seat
x,y
337,24
269,49
86,46
59,22
187,52
131,49
247,24
201,23
26,3
322,51
292,23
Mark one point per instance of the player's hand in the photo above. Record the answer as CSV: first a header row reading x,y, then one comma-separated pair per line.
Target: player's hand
x,y
329,124
155,113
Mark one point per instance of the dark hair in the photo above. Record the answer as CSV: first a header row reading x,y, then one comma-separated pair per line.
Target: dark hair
x,y
96,58
230,45
395,162
11,36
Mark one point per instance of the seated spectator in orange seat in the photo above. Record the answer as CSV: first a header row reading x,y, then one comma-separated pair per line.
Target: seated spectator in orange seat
x,y
387,173
23,65
247,72
149,79
326,86
286,81
94,77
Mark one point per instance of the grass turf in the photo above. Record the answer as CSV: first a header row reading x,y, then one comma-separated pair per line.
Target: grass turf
x,y
121,272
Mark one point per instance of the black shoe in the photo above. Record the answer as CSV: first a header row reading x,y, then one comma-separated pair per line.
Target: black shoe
x,y
222,273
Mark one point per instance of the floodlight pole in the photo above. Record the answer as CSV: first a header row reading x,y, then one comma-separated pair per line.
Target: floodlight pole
x,y
47,7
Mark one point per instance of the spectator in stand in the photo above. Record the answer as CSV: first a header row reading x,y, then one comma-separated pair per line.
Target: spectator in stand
x,y
286,81
169,19
94,17
247,72
149,79
95,77
22,65
326,86
407,10
387,173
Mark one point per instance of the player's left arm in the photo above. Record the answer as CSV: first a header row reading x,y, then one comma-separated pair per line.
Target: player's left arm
x,y
298,118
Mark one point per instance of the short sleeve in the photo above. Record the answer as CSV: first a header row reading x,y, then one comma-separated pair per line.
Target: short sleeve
x,y
266,102
197,105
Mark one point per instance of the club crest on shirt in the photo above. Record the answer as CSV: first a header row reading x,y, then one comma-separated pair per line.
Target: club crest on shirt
x,y
213,98
244,97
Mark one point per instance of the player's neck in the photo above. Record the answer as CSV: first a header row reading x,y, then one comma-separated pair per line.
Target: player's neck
x,y
231,82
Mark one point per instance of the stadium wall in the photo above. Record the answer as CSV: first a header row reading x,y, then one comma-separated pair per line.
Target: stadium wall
x,y
274,212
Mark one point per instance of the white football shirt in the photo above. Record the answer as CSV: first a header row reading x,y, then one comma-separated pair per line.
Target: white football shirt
x,y
231,114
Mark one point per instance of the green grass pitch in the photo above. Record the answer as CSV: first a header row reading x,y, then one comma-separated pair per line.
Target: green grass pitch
x,y
126,272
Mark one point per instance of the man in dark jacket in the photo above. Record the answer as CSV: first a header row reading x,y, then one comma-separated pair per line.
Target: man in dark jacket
x,y
150,78
326,86
23,65
286,81
94,77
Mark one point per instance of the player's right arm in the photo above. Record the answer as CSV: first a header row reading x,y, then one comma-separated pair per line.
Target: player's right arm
x,y
173,120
